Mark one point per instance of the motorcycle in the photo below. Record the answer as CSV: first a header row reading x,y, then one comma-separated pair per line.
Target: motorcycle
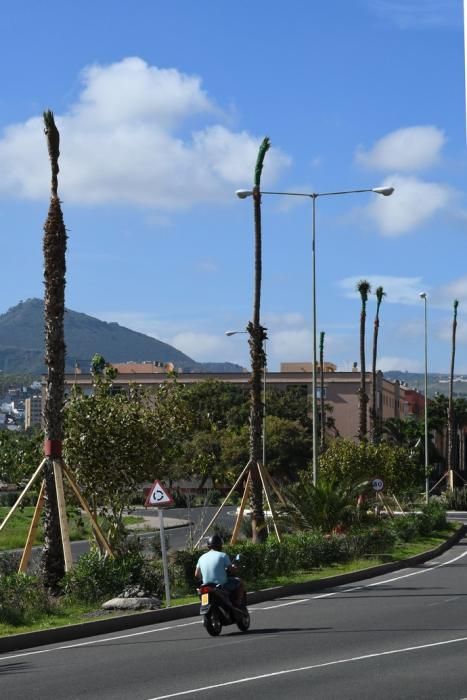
x,y
218,610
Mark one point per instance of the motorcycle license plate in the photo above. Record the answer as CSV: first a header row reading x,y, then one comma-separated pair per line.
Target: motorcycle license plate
x,y
205,599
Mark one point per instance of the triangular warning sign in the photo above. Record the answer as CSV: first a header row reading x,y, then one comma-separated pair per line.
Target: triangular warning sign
x,y
158,496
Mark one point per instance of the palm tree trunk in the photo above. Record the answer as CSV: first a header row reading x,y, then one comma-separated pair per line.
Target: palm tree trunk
x,y
364,288
257,335
54,248
321,397
375,417
450,405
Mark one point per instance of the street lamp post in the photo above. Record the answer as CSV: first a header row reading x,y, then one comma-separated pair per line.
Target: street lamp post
x,y
423,296
386,192
230,333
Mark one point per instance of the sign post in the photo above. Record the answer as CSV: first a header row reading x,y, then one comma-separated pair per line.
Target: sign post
x,y
159,497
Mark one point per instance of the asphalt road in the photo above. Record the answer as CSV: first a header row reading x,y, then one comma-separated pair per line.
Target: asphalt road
x,y
178,537
395,637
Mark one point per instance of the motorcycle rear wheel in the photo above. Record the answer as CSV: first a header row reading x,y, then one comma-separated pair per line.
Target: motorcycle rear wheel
x,y
243,621
212,623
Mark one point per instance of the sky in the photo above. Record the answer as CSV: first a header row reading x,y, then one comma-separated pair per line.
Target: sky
x,y
161,107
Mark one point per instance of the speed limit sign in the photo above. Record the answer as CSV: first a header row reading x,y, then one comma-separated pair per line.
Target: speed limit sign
x,y
377,484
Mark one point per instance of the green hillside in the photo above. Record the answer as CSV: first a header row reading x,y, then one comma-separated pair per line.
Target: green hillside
x,y
22,342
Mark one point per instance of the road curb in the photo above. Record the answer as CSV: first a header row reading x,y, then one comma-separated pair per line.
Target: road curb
x,y
115,624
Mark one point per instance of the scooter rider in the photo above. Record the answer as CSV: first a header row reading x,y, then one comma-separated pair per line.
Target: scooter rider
x,y
215,567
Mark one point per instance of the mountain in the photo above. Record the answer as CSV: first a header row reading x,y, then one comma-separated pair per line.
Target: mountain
x,y
22,343
437,383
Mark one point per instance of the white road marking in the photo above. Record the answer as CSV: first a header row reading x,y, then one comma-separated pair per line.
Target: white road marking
x,y
98,641
442,602
283,605
300,669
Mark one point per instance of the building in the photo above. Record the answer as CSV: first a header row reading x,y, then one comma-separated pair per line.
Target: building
x,y
340,389
32,411
306,367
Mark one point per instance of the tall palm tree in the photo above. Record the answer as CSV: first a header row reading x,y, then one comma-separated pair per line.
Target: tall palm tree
x,y
364,288
375,415
322,414
451,427
257,336
54,248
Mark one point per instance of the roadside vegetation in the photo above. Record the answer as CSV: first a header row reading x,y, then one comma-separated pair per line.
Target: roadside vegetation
x,y
302,555
200,432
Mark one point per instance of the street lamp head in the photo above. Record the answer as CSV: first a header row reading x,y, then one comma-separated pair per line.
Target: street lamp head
x,y
422,295
231,332
385,191
243,194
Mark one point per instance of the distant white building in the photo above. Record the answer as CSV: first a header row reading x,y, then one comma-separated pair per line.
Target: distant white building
x,y
32,411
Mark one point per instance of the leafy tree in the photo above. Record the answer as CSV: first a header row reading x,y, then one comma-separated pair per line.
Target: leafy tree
x,y
410,434
20,454
291,404
350,462
216,404
116,441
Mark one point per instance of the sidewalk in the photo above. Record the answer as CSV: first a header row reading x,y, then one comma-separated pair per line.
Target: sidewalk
x,y
152,522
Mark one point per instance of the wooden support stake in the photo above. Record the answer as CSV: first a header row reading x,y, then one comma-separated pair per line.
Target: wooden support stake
x,y
266,492
239,520
23,565
385,504
439,481
64,530
398,504
223,503
22,494
270,481
85,507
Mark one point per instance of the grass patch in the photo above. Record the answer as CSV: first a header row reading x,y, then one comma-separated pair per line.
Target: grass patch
x,y
61,615
14,535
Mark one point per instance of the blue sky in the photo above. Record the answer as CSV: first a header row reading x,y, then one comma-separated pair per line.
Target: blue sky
x,y
161,108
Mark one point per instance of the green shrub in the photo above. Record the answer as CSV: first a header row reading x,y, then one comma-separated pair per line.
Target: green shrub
x,y
95,578
9,562
406,527
433,518
21,598
379,539
457,499
182,569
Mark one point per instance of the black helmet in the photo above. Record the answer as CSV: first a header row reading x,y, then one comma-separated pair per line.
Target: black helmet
x,y
215,541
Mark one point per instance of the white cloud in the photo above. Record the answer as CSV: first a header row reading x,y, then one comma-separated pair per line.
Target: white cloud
x,y
399,290
419,14
207,266
276,320
294,345
454,290
127,139
402,364
200,346
413,203
409,149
